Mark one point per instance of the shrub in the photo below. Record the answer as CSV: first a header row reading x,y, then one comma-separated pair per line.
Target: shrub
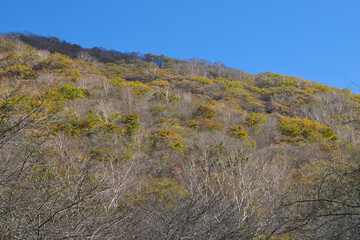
x,y
166,95
207,124
103,155
193,123
58,96
326,147
58,61
138,88
159,110
159,84
132,123
203,80
306,129
167,122
239,131
203,111
254,120
169,138
20,71
65,92
111,128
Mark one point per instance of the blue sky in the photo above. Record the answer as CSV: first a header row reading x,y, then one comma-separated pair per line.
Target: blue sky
x,y
317,40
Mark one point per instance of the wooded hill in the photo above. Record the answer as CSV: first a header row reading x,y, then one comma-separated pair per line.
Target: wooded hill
x,y
99,144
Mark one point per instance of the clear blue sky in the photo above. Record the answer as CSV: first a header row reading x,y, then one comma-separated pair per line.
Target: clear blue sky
x,y
317,40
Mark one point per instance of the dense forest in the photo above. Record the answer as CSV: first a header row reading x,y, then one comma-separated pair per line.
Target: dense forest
x,y
100,144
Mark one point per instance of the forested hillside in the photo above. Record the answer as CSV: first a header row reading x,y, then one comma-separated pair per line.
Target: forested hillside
x,y
100,144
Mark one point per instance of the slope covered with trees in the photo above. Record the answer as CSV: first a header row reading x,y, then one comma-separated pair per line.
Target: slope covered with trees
x,y
99,144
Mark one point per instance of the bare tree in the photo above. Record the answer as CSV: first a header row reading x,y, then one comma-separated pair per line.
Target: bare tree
x,y
85,56
44,54
151,70
47,78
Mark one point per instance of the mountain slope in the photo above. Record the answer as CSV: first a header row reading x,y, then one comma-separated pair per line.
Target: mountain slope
x,y
102,144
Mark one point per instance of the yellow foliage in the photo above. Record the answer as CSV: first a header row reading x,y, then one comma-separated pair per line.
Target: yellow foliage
x,y
169,138
307,129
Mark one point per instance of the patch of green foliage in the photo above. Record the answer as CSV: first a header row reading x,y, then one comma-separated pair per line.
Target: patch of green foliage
x,y
132,123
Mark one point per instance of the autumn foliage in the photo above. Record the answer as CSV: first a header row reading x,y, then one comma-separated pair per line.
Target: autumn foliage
x,y
100,144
